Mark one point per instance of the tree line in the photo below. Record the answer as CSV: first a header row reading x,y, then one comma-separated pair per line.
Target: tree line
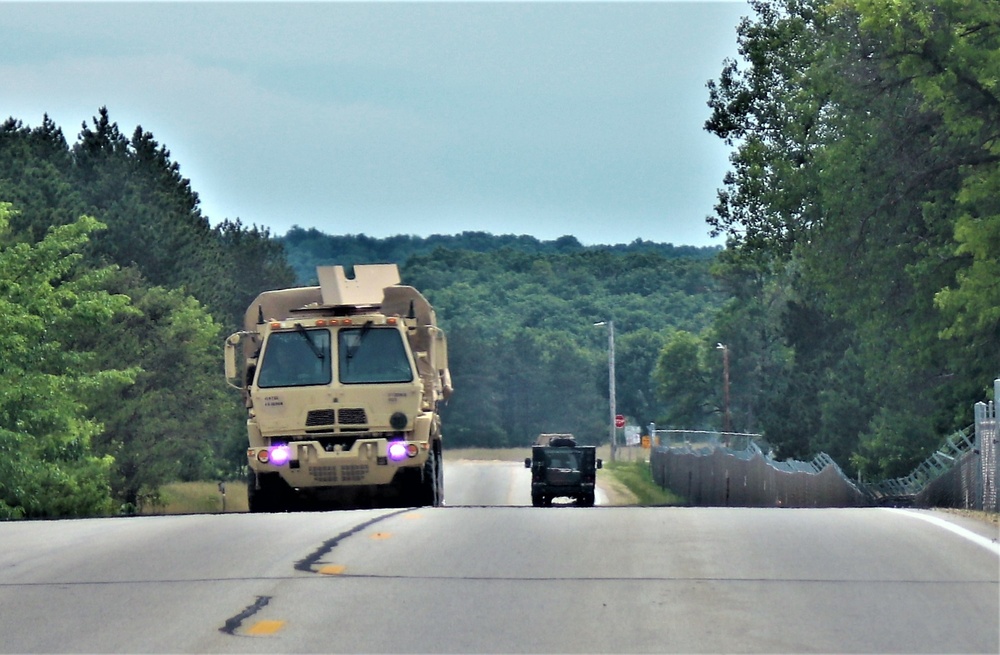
x,y
526,355
519,313
857,295
309,248
116,294
862,216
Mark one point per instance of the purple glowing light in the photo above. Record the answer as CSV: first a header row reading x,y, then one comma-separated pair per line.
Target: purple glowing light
x,y
280,455
397,451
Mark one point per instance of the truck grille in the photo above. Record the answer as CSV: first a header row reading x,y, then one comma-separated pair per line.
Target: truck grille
x,y
324,473
321,417
346,473
354,416
324,417
353,472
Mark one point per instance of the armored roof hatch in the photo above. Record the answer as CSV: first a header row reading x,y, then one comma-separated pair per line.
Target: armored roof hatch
x,y
365,288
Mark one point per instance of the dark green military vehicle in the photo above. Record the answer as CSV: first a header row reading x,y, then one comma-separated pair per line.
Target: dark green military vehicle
x,y
562,469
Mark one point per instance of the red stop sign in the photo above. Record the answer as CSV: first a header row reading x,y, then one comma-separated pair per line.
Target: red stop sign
x,y
619,421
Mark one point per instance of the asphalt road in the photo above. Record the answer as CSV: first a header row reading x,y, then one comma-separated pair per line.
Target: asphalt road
x,y
473,578
494,483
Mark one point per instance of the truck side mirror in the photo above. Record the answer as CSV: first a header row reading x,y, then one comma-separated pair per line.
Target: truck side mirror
x,y
234,376
600,464
527,462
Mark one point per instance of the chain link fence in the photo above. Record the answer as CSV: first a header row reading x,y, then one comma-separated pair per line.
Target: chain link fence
x,y
928,483
720,469
971,481
737,469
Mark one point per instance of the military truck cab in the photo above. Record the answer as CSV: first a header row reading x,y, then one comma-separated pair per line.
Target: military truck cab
x,y
342,384
562,469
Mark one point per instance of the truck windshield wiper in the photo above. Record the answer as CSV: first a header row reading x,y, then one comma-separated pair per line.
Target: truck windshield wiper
x,y
305,335
352,351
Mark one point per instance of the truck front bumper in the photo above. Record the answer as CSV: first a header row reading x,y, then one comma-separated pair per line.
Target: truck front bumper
x,y
560,491
305,464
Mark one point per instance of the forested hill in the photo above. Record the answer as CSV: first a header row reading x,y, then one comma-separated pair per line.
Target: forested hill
x,y
308,248
118,293
855,309
525,354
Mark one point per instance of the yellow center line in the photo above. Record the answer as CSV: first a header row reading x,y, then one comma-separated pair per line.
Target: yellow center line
x,y
265,628
332,569
381,535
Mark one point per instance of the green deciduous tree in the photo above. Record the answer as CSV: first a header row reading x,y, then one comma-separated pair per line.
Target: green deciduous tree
x,y
186,280
177,422
683,387
248,261
863,184
48,467
525,355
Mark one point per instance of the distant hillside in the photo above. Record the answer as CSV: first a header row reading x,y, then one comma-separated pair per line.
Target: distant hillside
x,y
525,354
307,249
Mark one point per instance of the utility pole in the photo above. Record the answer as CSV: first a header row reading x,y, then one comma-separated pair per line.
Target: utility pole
x,y
611,384
726,426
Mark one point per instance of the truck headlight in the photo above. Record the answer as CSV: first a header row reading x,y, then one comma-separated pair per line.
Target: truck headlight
x,y
400,450
397,451
279,455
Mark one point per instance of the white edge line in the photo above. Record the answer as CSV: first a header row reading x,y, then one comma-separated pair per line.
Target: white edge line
x,y
989,544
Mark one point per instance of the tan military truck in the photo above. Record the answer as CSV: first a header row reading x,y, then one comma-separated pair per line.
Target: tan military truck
x,y
343,383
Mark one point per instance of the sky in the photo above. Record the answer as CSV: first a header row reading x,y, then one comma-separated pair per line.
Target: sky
x,y
386,118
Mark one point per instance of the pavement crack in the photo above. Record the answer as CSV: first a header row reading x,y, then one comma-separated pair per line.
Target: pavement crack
x,y
233,624
306,563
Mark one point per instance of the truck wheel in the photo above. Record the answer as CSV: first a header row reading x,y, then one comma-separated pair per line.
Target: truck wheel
x,y
270,496
431,482
586,500
439,499
536,500
256,498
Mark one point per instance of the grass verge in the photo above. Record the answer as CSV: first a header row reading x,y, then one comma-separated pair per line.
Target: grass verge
x,y
627,483
199,498
638,479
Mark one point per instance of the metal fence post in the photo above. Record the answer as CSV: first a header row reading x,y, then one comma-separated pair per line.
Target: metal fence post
x,y
986,448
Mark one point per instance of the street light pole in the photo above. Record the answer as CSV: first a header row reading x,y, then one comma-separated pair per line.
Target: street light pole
x,y
726,427
611,383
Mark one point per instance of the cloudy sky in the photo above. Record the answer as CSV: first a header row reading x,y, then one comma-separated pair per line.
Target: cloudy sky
x,y
548,119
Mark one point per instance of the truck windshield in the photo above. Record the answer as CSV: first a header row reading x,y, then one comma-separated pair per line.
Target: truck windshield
x,y
372,355
562,459
296,359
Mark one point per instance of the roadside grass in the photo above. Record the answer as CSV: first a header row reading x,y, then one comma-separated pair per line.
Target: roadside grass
x,y
199,498
628,483
638,479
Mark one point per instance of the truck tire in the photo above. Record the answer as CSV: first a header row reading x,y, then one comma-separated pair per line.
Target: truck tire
x,y
272,496
431,482
257,499
439,499
586,500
